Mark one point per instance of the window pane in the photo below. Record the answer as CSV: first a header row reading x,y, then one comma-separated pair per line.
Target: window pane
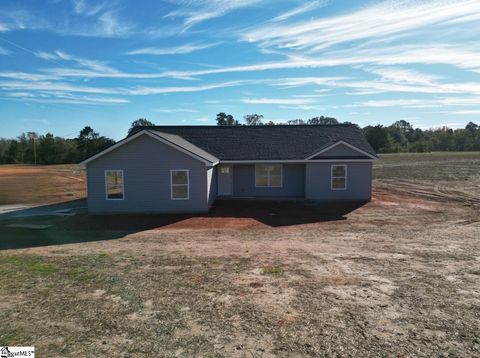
x,y
260,170
275,169
338,183
338,171
179,177
261,180
224,170
180,191
114,184
275,180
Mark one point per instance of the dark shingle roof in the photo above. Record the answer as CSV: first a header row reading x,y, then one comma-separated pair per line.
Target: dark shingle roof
x,y
282,142
186,145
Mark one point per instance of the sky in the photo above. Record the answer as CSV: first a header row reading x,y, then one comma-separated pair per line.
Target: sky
x,y
65,64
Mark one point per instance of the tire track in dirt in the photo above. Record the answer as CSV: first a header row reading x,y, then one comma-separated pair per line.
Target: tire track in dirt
x,y
439,191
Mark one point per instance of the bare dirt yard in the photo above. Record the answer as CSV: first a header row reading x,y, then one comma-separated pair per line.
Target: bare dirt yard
x,y
398,277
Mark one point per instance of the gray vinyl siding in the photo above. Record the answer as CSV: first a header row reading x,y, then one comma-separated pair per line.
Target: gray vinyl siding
x,y
146,165
211,185
340,150
293,182
318,182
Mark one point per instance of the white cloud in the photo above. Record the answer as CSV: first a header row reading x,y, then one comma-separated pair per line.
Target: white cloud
x,y
196,12
58,55
412,103
202,119
466,112
20,94
96,19
312,5
65,97
59,87
376,21
84,8
175,110
182,49
109,25
286,101
181,89
423,103
4,52
401,75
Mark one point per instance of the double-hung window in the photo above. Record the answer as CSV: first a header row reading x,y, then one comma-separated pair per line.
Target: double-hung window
x,y
114,185
339,177
179,184
268,175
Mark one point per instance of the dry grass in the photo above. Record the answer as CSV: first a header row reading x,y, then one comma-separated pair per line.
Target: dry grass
x,y
29,184
399,277
446,177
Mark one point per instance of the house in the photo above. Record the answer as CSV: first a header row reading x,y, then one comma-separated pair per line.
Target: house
x,y
180,169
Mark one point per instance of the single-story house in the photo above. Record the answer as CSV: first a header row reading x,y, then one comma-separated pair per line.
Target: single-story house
x,y
184,169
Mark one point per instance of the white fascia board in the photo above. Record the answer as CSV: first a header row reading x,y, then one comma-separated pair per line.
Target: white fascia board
x,y
340,142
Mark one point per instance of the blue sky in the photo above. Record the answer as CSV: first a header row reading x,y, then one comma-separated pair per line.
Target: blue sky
x,y
65,64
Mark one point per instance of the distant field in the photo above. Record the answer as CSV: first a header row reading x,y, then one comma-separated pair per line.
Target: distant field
x,y
42,184
444,176
398,277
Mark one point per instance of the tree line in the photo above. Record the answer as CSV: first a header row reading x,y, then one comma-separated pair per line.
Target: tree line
x,y
31,148
401,136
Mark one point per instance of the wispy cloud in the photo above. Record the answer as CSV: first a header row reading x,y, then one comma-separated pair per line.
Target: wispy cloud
x,y
422,103
89,9
467,112
196,12
92,19
58,55
376,21
177,50
284,101
4,52
54,88
299,10
395,55
175,110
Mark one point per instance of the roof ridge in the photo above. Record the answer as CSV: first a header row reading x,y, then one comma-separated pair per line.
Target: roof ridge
x,y
247,126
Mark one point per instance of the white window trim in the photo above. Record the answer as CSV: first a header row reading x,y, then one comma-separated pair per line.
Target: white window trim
x,y
106,184
334,177
172,185
268,180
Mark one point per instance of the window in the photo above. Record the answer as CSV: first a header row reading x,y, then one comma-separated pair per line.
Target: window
x,y
179,184
114,184
225,170
339,177
268,175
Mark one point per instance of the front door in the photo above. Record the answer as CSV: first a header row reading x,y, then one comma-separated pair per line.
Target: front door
x,y
225,180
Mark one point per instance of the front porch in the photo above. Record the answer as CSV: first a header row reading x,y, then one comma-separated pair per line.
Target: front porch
x,y
272,181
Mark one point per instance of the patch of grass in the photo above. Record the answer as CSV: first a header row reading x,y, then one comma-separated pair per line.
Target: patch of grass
x,y
474,272
29,263
43,268
10,336
273,270
81,274
126,258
